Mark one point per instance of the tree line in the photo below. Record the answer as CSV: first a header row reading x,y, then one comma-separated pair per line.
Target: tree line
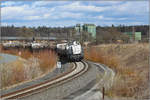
x,y
42,31
114,33
105,34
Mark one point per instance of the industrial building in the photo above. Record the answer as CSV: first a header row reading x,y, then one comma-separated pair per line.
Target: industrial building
x,y
134,36
78,28
90,28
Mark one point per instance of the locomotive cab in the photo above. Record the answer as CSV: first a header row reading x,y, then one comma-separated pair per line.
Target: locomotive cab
x,y
75,51
72,50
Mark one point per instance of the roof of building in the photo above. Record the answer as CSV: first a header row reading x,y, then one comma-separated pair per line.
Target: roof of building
x,y
89,24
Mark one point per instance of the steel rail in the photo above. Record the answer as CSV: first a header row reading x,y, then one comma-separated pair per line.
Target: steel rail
x,y
36,85
46,84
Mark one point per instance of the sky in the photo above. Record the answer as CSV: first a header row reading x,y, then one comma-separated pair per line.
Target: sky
x,y
70,13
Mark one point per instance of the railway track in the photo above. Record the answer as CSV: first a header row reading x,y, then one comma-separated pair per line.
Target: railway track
x,y
79,69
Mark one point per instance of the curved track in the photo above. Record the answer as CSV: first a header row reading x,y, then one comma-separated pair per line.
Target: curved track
x,y
105,77
79,69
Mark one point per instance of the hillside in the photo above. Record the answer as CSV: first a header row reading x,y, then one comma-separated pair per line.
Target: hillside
x,y
131,64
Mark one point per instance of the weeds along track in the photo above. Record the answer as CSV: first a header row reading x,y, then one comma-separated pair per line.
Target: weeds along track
x,y
79,69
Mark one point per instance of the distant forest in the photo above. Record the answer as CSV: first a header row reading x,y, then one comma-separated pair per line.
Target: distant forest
x,y
144,29
42,31
114,33
103,33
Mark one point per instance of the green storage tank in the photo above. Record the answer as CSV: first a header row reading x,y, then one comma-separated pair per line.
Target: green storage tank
x,y
78,28
91,28
137,36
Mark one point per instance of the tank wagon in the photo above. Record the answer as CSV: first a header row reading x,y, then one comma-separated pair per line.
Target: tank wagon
x,y
72,51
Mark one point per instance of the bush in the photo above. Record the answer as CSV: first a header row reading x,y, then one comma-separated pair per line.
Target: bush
x,y
47,60
130,62
33,65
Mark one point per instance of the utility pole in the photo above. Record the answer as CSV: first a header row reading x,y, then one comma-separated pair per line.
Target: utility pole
x,y
133,34
81,37
70,35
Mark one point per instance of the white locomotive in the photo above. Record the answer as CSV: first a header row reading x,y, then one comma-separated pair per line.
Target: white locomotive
x,y
72,50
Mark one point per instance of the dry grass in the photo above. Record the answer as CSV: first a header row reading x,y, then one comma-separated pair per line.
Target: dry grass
x,y
35,65
47,59
12,73
97,55
130,61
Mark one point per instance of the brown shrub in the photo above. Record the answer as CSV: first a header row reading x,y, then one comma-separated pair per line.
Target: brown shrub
x,y
12,73
130,61
47,60
36,64
18,72
11,51
100,56
24,54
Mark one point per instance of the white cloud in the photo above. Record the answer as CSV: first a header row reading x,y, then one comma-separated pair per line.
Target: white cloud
x,y
14,12
46,15
132,7
44,3
24,12
101,17
8,3
32,17
57,15
71,15
117,19
77,6
112,12
41,3
110,2
105,3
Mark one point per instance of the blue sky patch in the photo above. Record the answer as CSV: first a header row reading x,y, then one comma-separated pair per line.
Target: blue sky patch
x,y
69,13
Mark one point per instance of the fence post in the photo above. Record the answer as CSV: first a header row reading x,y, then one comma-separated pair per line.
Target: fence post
x,y
103,92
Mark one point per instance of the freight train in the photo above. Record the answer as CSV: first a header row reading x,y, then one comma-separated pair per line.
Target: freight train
x,y
73,51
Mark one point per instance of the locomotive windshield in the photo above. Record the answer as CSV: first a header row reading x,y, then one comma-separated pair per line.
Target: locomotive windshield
x,y
73,43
